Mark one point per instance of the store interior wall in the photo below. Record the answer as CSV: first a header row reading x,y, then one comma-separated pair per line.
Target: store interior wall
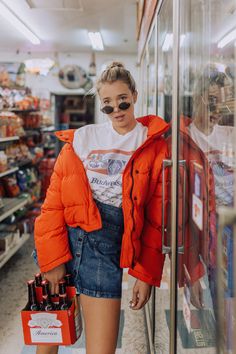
x,y
43,86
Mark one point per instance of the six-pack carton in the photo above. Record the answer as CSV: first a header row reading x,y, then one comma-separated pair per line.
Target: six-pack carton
x,y
59,327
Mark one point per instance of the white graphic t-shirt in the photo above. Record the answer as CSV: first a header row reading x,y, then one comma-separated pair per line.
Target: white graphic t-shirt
x,y
219,150
105,153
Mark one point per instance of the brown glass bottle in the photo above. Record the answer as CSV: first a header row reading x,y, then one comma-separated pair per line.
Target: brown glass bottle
x,y
32,300
68,280
64,303
47,304
38,279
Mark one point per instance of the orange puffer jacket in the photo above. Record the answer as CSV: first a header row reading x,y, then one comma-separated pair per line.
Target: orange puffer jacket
x,y
69,201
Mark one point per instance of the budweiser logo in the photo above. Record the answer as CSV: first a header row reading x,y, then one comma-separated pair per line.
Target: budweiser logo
x,y
44,320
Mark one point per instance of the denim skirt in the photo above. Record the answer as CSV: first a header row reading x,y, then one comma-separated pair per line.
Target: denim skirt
x,y
95,266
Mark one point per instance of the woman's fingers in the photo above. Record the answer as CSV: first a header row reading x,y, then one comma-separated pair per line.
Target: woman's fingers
x,y
140,303
141,295
135,297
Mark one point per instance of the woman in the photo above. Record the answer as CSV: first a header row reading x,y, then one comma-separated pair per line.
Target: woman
x,y
103,210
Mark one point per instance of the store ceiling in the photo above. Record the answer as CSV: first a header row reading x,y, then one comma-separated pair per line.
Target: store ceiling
x,y
62,25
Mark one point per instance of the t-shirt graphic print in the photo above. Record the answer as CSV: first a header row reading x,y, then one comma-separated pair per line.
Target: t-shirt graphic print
x,y
104,169
105,154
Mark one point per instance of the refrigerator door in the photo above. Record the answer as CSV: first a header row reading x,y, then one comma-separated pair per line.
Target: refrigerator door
x,y
164,73
206,143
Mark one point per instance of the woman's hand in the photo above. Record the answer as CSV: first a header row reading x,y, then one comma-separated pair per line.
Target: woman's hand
x,y
141,294
54,276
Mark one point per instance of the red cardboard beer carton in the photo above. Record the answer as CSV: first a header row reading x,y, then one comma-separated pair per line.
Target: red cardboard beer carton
x,y
59,327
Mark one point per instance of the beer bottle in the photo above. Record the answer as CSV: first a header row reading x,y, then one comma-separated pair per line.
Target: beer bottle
x,y
38,279
47,302
64,303
32,300
68,279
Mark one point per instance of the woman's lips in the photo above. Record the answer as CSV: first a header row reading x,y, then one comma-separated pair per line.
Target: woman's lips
x,y
119,117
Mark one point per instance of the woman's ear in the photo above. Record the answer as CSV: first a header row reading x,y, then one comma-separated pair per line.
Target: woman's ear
x,y
135,96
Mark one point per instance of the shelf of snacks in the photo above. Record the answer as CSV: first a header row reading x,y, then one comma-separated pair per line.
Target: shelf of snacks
x,y
10,205
20,154
25,122
18,99
11,125
5,255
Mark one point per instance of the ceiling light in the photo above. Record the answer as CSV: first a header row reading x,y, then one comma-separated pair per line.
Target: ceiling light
x,y
182,39
96,40
227,39
6,13
168,42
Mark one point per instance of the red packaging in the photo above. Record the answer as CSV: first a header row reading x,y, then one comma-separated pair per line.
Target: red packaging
x,y
61,327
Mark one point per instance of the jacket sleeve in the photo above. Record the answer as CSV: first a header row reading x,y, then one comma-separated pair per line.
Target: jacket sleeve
x,y
50,231
149,265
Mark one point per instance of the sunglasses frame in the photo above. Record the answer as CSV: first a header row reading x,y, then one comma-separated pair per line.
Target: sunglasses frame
x,y
123,106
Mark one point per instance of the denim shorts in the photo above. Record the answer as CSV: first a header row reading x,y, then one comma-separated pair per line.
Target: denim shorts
x,y
95,266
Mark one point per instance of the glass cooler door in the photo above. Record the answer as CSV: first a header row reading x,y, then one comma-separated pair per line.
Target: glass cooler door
x,y
206,184
164,75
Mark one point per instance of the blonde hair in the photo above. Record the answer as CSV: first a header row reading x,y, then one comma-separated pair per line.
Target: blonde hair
x,y
114,72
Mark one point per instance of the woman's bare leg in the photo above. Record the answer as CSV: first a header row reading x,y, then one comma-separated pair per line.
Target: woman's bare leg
x,y
101,317
47,349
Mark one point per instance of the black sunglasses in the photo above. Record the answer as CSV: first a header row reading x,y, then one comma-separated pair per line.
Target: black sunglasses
x,y
109,109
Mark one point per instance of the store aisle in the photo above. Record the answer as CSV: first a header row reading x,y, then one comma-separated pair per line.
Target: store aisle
x,y
13,277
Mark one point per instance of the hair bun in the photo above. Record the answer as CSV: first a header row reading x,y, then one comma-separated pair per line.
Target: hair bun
x,y
115,64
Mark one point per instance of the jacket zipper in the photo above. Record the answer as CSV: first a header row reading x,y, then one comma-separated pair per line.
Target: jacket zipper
x,y
132,213
131,161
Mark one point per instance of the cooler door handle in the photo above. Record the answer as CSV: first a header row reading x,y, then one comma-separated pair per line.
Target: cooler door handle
x,y
165,164
183,164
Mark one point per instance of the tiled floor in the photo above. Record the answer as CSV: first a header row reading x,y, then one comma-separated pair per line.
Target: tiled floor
x,y
13,295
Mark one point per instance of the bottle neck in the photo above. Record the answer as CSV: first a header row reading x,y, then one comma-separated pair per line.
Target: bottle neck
x,y
47,303
38,280
62,298
32,295
46,290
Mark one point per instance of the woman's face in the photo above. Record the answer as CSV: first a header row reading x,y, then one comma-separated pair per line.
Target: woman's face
x,y
208,112
112,94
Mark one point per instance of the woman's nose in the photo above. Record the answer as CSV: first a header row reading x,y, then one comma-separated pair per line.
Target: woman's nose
x,y
116,108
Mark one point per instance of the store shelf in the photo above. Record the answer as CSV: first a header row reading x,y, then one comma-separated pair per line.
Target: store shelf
x,y
77,124
28,162
11,205
48,129
8,172
29,110
4,257
9,138
75,111
20,88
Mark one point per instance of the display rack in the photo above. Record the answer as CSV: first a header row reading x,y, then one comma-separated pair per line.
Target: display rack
x,y
5,256
11,205
10,138
8,172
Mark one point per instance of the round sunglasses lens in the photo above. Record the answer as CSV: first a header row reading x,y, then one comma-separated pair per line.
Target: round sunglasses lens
x,y
124,105
107,109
